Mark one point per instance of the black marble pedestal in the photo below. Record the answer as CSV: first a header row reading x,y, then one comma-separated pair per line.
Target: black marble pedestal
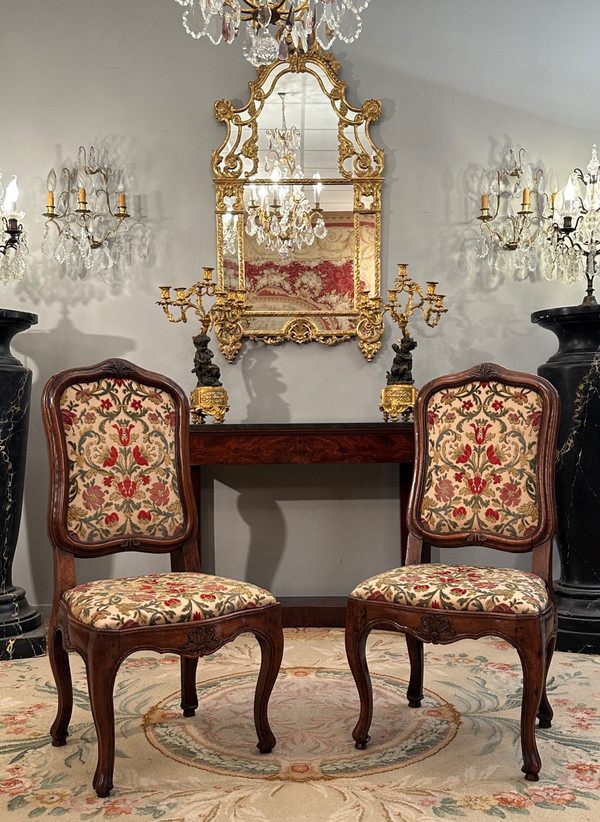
x,y
575,372
21,631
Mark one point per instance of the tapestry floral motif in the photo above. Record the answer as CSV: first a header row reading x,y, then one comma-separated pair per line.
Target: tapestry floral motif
x,y
120,446
482,460
458,588
161,599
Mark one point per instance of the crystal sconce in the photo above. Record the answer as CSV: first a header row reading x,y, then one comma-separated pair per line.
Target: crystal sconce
x,y
90,217
272,26
528,224
14,249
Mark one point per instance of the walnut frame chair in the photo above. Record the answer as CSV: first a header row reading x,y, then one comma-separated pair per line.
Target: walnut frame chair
x,y
137,496
471,430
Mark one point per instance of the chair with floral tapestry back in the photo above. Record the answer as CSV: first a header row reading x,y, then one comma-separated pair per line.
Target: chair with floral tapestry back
x,y
485,444
120,481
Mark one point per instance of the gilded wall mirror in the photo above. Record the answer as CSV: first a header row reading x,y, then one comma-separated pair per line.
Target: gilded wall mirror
x,y
298,202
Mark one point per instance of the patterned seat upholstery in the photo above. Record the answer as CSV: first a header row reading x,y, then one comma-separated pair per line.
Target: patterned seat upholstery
x,y
458,588
161,599
485,442
120,481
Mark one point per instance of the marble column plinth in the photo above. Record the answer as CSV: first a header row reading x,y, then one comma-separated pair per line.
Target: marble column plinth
x,y
575,372
21,631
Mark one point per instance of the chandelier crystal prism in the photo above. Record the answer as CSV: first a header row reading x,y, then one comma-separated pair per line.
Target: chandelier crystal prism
x,y
280,216
273,26
529,223
14,249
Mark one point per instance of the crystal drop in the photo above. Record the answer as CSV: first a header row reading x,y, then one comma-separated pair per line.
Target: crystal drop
x,y
320,228
324,33
283,49
482,247
265,48
195,22
349,25
264,14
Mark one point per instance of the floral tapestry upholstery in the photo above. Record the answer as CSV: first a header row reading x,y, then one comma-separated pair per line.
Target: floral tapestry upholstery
x,y
482,459
161,599
120,438
458,588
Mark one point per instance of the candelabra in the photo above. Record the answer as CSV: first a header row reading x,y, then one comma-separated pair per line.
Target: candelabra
x,y
14,249
91,235
280,216
558,235
209,398
399,395
296,24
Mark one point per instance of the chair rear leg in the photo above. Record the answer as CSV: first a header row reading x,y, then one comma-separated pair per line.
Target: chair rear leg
x,y
533,661
415,686
102,669
271,647
545,712
189,694
61,668
356,640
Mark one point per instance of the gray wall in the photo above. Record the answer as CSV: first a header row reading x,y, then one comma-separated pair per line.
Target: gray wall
x,y
456,80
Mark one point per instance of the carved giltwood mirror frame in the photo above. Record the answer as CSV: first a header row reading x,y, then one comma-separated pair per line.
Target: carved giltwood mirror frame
x,y
315,293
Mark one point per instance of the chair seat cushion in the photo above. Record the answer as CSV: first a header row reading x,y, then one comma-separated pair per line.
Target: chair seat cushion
x,y
458,588
161,599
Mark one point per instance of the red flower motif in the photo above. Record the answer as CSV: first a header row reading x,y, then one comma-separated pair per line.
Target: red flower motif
x,y
124,433
68,417
421,587
207,596
465,454
139,457
458,513
106,404
145,515
145,479
377,595
491,514
431,418
136,405
83,395
502,608
459,475
112,458
130,623
444,490
510,493
93,498
496,478
477,484
118,382
458,590
492,456
535,418
480,432
110,518
497,405
108,481
467,405
127,488
170,602
435,605
159,493
170,418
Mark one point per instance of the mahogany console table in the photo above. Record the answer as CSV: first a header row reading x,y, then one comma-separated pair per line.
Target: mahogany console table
x,y
285,444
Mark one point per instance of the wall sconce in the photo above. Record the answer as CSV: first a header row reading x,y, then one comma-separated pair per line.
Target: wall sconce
x,y
14,249
209,398
90,216
294,22
542,226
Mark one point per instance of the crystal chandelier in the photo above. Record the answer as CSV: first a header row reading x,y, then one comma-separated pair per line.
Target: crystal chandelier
x,y
530,224
14,249
273,25
90,217
280,216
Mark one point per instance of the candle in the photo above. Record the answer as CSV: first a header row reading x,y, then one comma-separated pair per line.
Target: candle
x,y
122,200
484,202
50,199
82,196
525,197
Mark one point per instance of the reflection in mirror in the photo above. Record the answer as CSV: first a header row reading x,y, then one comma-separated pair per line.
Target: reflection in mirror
x,y
298,186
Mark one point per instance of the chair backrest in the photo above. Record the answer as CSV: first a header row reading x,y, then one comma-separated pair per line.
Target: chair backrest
x,y
119,462
485,444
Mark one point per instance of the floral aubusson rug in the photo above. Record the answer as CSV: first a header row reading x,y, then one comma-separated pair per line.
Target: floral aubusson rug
x,y
459,755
